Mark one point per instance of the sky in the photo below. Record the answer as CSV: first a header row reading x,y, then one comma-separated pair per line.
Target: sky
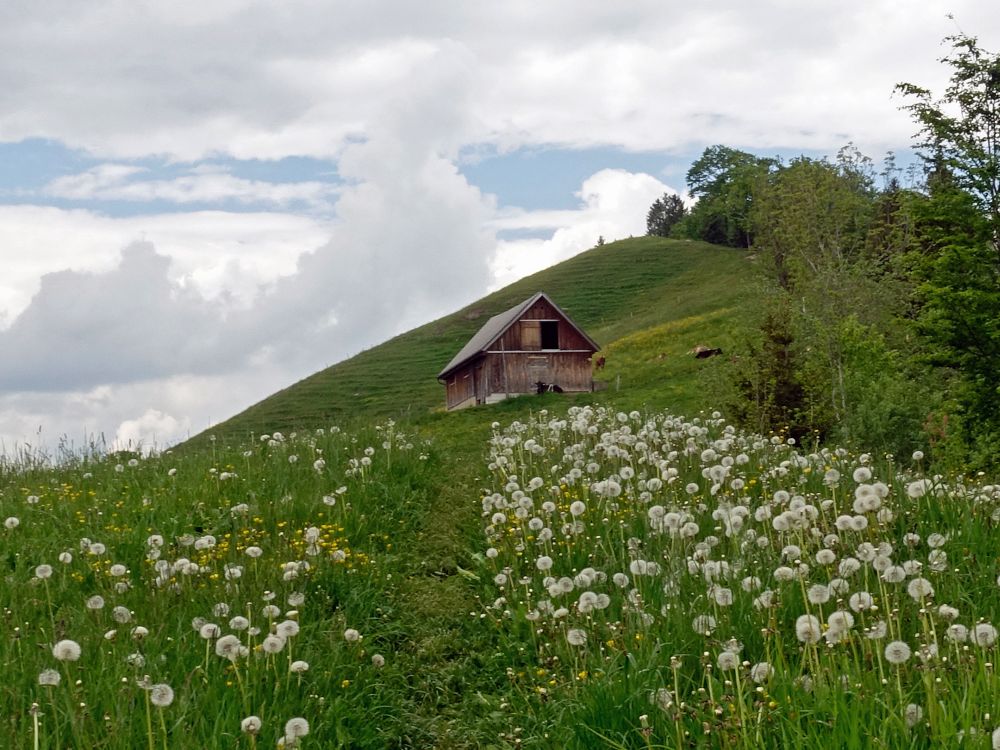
x,y
204,202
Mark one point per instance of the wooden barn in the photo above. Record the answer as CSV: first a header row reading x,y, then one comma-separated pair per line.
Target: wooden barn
x,y
531,343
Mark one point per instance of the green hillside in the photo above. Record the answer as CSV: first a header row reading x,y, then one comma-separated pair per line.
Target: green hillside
x,y
496,578
648,301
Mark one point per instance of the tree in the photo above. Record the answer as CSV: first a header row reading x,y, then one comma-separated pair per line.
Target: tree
x,y
724,180
960,133
959,228
665,212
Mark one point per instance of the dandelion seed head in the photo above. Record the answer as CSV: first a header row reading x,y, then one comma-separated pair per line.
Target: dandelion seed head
x,y
897,652
576,637
66,650
295,728
49,678
807,629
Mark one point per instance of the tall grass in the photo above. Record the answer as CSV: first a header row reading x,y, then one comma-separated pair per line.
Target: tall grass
x,y
247,582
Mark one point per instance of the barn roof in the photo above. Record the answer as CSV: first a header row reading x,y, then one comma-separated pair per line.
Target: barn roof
x,y
494,328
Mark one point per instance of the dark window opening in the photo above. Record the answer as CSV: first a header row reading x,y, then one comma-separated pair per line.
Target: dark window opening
x,y
550,334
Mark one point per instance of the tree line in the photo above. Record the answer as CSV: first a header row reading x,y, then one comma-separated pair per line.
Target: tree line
x,y
877,313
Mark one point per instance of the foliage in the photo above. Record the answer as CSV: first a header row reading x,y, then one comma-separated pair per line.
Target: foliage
x,y
724,181
960,233
665,212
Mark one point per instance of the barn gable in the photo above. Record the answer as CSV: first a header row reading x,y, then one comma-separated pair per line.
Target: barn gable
x,y
534,341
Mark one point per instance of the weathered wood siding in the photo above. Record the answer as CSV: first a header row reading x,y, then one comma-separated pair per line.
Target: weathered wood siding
x,y
519,372
460,388
526,335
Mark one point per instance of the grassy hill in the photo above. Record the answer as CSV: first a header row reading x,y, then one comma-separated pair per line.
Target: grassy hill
x,y
646,300
446,583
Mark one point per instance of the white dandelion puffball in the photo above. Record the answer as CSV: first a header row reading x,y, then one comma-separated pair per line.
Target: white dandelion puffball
x,y
209,630
12,523
66,650
49,678
984,635
287,629
913,714
807,629
272,644
818,594
378,661
95,602
295,728
761,672
577,508
897,652
239,623
298,667
544,563
251,725
728,661
161,695
43,571
576,637
228,647
860,601
919,588
703,624
351,635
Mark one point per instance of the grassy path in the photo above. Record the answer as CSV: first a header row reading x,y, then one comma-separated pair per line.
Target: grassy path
x,y
454,675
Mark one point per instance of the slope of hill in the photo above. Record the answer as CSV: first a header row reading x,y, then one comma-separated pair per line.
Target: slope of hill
x,y
646,300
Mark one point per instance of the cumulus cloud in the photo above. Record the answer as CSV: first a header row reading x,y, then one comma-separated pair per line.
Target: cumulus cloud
x,y
613,205
224,256
151,431
409,241
130,323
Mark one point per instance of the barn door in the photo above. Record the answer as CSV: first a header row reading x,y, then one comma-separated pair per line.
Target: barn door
x,y
531,335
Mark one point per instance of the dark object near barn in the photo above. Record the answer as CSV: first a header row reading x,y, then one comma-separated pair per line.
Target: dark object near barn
x,y
704,352
541,388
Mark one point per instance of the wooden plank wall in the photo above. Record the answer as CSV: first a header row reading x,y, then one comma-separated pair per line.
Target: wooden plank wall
x,y
571,371
527,336
459,387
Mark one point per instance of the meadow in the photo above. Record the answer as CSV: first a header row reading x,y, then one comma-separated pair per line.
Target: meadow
x,y
564,575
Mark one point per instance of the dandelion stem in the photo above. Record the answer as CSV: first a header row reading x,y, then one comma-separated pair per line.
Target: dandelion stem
x,y
163,726
149,720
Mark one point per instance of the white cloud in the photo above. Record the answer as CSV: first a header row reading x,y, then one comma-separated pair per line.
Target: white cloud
x,y
409,241
153,430
115,182
260,79
111,415
613,206
221,255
